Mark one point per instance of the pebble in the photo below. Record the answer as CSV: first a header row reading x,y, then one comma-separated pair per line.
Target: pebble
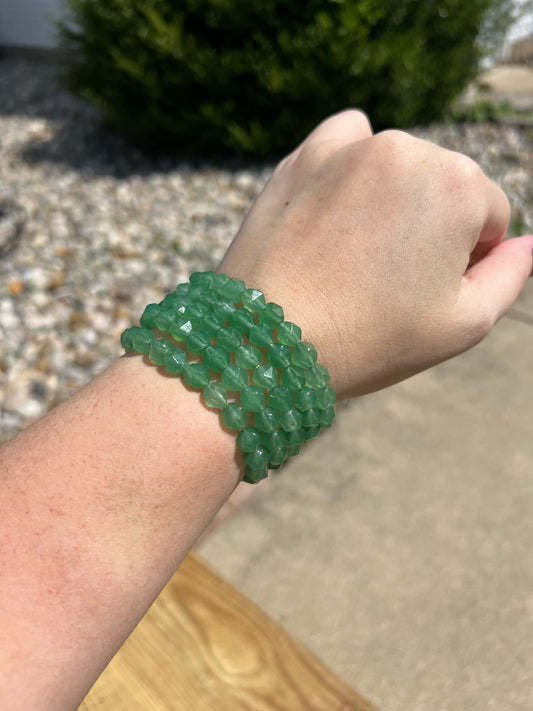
x,y
91,230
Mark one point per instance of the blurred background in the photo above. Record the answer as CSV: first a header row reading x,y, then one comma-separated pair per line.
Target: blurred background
x,y
134,136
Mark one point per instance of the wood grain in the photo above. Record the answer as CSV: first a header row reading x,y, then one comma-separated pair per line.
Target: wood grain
x,y
203,646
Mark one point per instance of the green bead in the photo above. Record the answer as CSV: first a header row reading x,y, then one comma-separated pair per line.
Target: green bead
x,y
229,338
304,355
317,377
289,333
158,350
261,335
273,440
253,300
257,458
175,302
290,420
293,377
165,318
195,312
280,398
224,308
233,290
279,355
271,315
195,292
183,289
218,282
253,398
311,431
304,399
211,324
248,357
277,457
325,398
216,358
206,280
181,328
196,375
253,476
196,277
149,315
328,415
295,440
312,417
265,376
137,339
197,341
233,416
267,420
234,378
242,320
249,439
211,299
215,395
175,361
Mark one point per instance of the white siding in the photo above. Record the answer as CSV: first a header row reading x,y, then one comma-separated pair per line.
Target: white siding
x,y
29,23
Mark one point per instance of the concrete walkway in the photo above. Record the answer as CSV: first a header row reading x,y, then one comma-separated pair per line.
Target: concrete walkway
x,y
398,547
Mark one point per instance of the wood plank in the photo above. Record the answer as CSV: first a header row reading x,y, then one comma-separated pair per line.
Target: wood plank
x,y
203,646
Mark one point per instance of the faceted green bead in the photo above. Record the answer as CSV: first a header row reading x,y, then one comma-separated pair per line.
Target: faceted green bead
x,y
257,458
265,376
278,457
224,308
304,399
233,290
271,315
253,398
289,333
267,420
279,355
280,398
211,299
175,361
216,358
165,318
215,395
195,292
253,476
328,415
196,277
234,416
295,440
206,280
196,375
273,440
304,355
311,431
195,312
293,377
197,341
249,439
317,377
253,300
290,420
242,320
229,338
158,350
325,397
183,289
211,324
312,417
181,328
261,335
248,357
218,282
234,378
137,339
175,302
149,314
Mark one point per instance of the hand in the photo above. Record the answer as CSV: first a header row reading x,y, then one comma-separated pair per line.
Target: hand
x,y
387,250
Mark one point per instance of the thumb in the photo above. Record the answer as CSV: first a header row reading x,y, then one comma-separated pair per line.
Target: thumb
x,y
490,287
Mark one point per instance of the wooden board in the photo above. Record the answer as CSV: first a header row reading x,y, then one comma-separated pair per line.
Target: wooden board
x,y
203,646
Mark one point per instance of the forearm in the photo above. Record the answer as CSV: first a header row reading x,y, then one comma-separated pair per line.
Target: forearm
x,y
100,501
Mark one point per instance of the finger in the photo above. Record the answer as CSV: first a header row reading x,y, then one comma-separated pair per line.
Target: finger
x,y
495,224
349,125
491,286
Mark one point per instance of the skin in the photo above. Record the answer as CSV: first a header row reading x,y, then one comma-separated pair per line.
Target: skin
x,y
388,251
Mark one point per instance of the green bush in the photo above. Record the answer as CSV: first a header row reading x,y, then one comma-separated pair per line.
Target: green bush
x,y
254,76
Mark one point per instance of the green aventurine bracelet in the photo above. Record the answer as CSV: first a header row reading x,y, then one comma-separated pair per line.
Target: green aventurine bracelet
x,y
250,364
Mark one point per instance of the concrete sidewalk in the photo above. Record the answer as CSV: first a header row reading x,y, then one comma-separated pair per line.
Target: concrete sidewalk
x,y
398,547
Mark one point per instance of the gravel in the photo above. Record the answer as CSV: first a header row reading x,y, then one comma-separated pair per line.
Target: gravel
x,y
91,230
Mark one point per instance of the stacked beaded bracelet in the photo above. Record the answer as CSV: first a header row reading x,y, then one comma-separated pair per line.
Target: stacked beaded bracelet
x,y
250,364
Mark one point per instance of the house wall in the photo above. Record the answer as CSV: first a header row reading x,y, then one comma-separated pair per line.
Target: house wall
x,y
29,23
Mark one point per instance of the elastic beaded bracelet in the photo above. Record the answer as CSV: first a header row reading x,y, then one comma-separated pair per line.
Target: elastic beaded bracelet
x,y
249,362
